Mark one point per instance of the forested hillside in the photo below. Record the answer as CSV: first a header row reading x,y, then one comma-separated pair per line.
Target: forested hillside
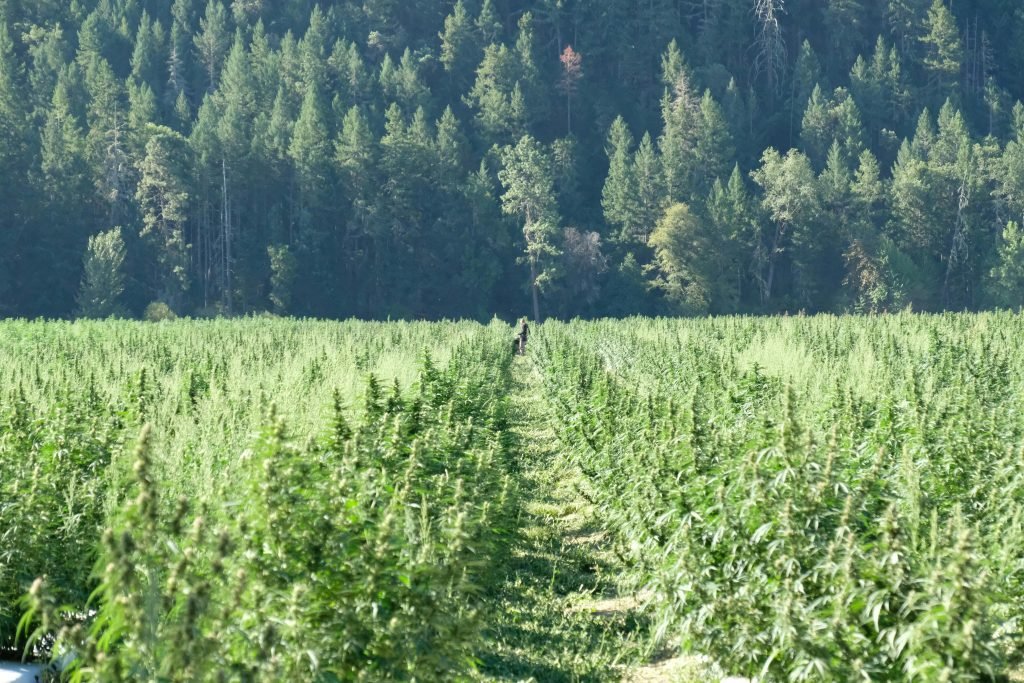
x,y
430,158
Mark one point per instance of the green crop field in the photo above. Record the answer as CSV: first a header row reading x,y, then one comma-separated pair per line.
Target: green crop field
x,y
784,499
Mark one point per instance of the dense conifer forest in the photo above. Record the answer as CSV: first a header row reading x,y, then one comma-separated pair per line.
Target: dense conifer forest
x,y
430,158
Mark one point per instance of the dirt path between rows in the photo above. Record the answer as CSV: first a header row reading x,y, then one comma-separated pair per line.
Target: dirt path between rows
x,y
559,616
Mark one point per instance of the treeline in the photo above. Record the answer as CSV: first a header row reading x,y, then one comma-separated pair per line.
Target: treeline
x,y
430,158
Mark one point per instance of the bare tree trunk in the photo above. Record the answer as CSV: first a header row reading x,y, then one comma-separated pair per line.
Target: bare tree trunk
x,y
958,245
533,288
227,235
779,230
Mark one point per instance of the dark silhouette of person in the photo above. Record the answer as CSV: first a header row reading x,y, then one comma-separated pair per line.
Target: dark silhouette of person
x,y
524,332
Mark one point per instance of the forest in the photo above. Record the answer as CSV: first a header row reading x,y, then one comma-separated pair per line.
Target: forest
x,y
436,159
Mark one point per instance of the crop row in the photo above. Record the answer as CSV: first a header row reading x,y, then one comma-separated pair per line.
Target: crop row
x,y
356,551
808,498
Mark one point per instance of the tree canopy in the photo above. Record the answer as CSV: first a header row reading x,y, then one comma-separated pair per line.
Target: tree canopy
x,y
466,158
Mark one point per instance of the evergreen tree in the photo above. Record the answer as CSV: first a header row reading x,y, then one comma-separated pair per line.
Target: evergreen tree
x,y
1005,284
1009,171
313,50
309,148
877,86
650,190
733,228
102,278
806,77
620,192
460,51
147,60
943,53
497,96
844,21
828,119
488,24
13,148
107,136
680,112
906,19
212,42
283,267
713,149
163,199
49,51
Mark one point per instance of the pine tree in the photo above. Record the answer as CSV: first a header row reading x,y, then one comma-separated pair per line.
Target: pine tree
x,y
106,115
806,77
163,199
452,147
816,128
356,158
572,72
868,191
844,20
235,100
265,64
497,96
1005,283
142,111
529,73
310,153
1009,172
410,91
943,52
309,149
102,278
878,88
618,198
651,194
147,60
735,109
906,19
313,50
49,56
488,24
283,267
66,210
830,119
713,149
13,117
460,51
733,231
177,66
212,42
676,146
839,225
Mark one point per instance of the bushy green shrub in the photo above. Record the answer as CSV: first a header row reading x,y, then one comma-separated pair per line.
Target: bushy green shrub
x,y
158,311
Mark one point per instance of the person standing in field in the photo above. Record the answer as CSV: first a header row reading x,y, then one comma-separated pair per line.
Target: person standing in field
x,y
524,332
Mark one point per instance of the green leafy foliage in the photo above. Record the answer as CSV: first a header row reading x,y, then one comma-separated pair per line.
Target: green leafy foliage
x,y
103,279
807,498
74,498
